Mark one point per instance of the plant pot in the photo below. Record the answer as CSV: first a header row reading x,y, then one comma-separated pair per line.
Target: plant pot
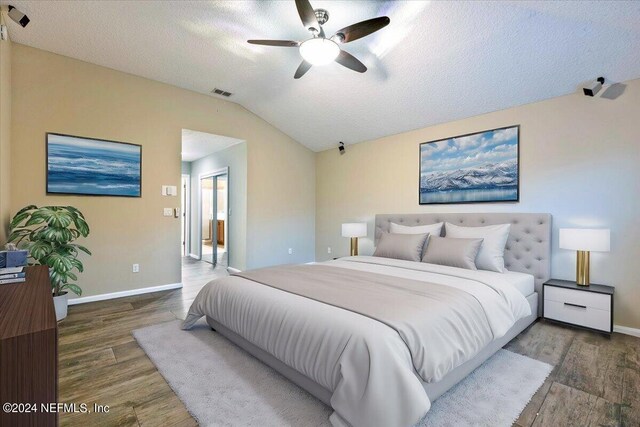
x,y
61,302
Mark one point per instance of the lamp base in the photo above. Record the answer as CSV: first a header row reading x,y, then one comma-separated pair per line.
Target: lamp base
x,y
354,246
582,268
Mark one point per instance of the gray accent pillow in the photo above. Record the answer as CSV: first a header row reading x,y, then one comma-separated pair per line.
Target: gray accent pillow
x,y
453,252
401,246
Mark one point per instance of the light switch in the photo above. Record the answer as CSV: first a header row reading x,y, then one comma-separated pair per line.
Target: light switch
x,y
168,211
169,190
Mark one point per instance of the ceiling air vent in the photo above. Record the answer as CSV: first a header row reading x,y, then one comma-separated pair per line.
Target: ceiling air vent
x,y
221,92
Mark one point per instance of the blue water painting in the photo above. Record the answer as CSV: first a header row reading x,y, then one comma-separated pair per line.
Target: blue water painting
x,y
94,167
480,167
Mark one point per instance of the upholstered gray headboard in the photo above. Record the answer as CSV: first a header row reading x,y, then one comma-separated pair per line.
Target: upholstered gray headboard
x,y
528,249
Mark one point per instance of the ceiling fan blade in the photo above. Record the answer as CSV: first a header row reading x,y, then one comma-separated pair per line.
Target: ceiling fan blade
x,y
362,29
307,15
351,62
281,43
302,69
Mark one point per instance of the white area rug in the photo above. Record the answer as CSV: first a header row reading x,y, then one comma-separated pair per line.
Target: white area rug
x,y
222,385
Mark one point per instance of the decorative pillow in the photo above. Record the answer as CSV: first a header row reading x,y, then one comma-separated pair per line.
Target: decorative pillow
x,y
453,252
491,255
401,246
432,229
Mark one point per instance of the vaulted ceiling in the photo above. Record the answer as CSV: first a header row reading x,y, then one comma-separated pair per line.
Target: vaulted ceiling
x,y
436,62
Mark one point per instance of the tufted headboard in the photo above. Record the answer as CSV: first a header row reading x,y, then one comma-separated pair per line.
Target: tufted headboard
x,y
528,249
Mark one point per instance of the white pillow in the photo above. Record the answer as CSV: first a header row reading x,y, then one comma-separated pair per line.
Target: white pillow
x,y
491,254
432,229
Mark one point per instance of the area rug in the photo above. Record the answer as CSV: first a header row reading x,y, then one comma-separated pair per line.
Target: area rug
x,y
222,385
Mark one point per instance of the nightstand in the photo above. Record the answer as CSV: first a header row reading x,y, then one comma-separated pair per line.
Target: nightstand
x,y
589,307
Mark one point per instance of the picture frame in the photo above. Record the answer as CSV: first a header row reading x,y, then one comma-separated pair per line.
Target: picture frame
x,y
478,167
84,166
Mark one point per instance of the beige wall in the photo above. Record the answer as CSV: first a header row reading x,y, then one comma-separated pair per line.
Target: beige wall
x,y
52,93
579,160
5,136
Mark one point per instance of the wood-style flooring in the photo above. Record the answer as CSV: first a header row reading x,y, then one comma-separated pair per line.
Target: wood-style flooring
x,y
100,361
596,380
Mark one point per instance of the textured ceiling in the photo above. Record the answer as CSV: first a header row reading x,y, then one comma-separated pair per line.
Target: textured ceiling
x,y
436,62
196,145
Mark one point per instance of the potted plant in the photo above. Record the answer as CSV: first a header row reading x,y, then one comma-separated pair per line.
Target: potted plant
x,y
48,234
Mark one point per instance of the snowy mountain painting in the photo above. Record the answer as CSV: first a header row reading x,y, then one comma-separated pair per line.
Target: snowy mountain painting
x,y
480,167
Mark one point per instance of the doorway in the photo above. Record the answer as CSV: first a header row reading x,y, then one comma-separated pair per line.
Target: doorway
x,y
214,217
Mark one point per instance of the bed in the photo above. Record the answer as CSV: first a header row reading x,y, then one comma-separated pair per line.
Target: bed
x,y
382,350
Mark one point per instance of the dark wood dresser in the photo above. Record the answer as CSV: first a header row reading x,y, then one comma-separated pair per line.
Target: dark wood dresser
x,y
28,349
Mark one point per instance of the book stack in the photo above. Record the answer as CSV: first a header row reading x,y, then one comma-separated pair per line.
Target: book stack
x,y
12,275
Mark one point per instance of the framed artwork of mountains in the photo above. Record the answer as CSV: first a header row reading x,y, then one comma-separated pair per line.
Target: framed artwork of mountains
x,y
478,167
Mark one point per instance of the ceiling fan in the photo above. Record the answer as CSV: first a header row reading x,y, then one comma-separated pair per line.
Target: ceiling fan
x,y
320,50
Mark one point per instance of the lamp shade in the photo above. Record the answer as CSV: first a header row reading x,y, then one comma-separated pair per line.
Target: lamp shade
x,y
354,229
585,239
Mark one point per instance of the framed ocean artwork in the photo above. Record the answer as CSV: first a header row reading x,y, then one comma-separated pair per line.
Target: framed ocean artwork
x,y
95,167
479,167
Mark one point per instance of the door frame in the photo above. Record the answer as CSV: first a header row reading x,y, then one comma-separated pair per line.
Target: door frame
x,y
186,212
209,174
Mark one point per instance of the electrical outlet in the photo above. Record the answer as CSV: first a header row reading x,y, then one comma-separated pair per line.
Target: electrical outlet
x,y
290,251
136,268
168,212
328,249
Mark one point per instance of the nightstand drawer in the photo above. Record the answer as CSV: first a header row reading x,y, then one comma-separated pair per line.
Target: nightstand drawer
x,y
578,297
578,315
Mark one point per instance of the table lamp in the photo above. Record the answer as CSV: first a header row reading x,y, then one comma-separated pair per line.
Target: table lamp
x,y
354,230
584,240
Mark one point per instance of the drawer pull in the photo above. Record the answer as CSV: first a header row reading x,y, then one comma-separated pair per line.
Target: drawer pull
x,y
575,305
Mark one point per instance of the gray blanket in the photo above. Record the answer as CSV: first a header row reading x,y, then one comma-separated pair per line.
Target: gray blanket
x,y
410,307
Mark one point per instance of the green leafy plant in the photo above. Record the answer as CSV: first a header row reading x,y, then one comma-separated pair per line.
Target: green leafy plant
x,y
47,233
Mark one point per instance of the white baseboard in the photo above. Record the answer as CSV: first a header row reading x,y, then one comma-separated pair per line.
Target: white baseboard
x,y
233,270
113,295
194,256
626,330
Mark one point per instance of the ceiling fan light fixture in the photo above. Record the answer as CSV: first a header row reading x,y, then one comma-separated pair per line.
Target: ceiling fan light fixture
x,y
319,51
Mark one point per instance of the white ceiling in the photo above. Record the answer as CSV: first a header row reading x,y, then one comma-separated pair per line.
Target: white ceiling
x,y
436,62
196,145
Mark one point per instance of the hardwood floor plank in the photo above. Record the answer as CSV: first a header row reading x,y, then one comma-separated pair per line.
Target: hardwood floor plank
x,y
566,406
167,410
127,351
544,341
530,412
83,312
99,381
92,360
631,385
118,415
594,368
604,413
630,415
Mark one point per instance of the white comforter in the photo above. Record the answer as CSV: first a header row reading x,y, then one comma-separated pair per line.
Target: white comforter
x,y
363,362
